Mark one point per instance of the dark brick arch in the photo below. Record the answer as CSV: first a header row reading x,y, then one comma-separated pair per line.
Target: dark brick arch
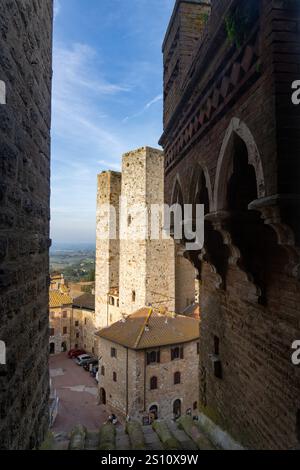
x,y
225,162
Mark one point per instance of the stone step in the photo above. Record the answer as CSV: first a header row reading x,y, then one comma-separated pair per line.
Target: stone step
x,y
191,428
186,442
122,439
152,440
163,435
92,441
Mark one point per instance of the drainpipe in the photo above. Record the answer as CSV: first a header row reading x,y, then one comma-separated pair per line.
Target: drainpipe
x,y
145,369
107,309
127,393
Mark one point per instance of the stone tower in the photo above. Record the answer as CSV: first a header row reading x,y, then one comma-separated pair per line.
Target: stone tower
x,y
107,242
146,266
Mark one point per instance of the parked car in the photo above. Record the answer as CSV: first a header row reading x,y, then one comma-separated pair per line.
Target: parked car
x,y
74,353
81,360
92,362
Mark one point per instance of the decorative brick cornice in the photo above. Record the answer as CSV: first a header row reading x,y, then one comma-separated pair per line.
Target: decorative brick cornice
x,y
212,99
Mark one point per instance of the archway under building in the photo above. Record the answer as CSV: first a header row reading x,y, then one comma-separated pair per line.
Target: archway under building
x,y
153,412
102,396
177,408
52,348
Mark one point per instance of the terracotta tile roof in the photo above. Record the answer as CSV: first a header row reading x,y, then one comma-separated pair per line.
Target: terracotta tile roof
x,y
85,301
58,299
143,330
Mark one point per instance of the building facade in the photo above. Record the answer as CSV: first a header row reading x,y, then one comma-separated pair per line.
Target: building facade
x,y
25,115
148,366
231,140
84,323
61,321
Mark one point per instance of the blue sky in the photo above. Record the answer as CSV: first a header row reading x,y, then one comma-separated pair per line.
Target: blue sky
x,y
107,99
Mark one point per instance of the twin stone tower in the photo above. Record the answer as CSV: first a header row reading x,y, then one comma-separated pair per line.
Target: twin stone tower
x,y
133,270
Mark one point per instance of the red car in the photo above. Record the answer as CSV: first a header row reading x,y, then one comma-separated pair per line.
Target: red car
x,y
73,353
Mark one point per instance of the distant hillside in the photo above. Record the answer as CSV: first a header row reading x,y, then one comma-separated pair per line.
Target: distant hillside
x,y
75,261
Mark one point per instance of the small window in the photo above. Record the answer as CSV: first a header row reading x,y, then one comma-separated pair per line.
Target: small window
x,y
103,371
118,303
65,330
177,353
114,376
52,332
77,323
77,335
133,296
177,378
113,352
217,346
153,383
129,220
153,357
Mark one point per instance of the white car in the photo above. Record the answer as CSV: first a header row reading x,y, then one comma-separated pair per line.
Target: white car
x,y
82,359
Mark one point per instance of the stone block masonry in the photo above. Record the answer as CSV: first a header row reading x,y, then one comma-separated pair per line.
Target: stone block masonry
x,y
25,69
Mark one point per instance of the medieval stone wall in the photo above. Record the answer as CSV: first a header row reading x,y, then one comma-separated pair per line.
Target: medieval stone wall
x,y
240,98
146,265
131,394
25,68
107,243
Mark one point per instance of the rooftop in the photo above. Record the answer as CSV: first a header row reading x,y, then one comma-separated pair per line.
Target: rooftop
x,y
59,299
148,329
86,301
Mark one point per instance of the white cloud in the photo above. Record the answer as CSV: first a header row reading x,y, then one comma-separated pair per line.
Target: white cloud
x,y
77,93
156,99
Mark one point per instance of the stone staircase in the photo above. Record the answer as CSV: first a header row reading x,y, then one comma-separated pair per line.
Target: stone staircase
x,y
185,434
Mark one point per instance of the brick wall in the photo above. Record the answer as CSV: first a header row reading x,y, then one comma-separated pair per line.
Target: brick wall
x,y
25,68
253,312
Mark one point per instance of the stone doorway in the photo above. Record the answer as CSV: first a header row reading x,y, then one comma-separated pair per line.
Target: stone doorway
x,y
177,409
102,396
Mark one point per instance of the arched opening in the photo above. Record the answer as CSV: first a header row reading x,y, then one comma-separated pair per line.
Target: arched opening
x,y
52,348
177,409
215,252
102,396
64,347
153,412
256,241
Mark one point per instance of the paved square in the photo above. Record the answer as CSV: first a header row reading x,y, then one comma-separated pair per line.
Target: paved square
x,y
78,395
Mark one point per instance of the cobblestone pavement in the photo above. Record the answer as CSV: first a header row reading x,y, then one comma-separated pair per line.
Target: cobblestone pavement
x,y
77,392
